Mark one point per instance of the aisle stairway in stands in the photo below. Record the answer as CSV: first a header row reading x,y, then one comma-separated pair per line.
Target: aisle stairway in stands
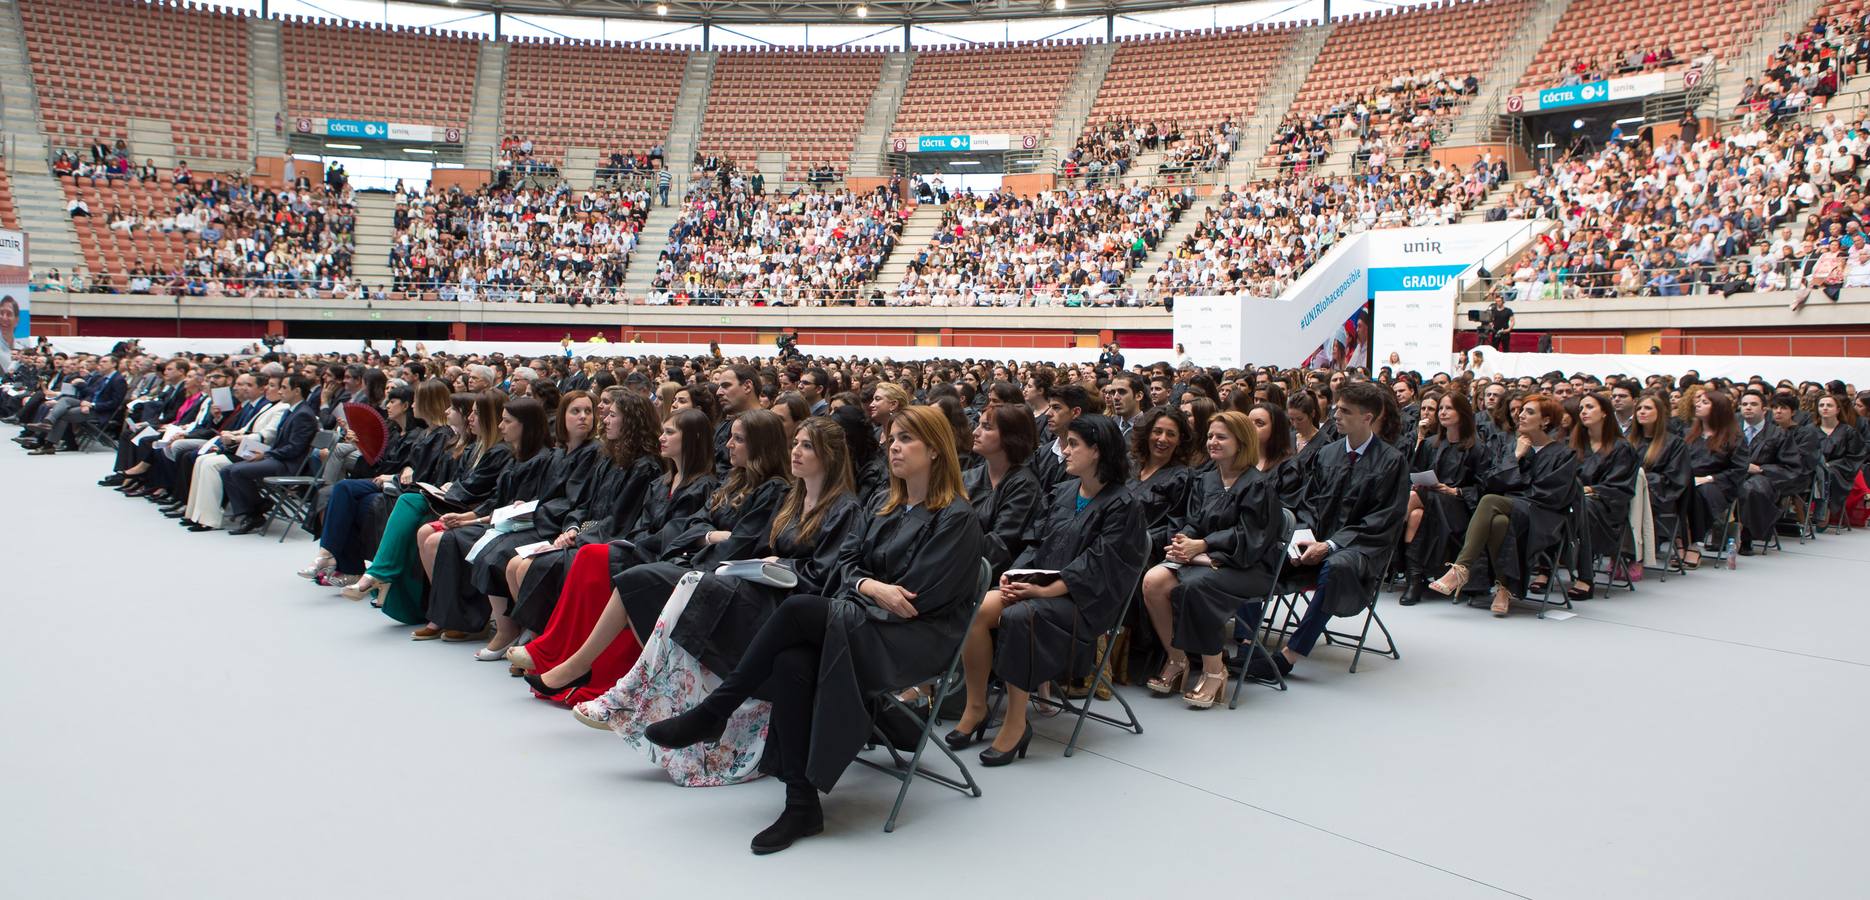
x,y
650,243
268,105
376,231
690,108
1074,106
38,200
1481,119
916,234
484,127
873,141
1275,100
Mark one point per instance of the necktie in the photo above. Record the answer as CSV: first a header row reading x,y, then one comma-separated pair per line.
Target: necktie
x,y
1352,456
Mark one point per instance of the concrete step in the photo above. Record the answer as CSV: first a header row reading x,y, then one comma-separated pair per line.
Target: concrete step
x,y
917,232
376,233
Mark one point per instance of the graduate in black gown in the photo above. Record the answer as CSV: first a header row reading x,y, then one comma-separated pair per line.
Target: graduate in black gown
x,y
1220,555
571,472
1164,444
1843,449
1003,489
735,524
1448,445
1607,467
1664,459
1715,464
454,607
618,491
906,589
1528,495
870,479
1089,537
1776,465
1278,458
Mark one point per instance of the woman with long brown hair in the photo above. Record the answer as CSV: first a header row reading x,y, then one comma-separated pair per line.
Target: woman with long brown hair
x,y
686,446
907,581
628,427
1003,490
705,631
1843,449
736,524
1713,438
1528,493
1664,459
1607,467
1439,513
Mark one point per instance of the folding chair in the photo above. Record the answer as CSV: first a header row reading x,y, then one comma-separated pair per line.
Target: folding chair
x,y
1608,574
1288,607
1255,648
1669,531
91,431
907,769
290,496
1550,558
1129,722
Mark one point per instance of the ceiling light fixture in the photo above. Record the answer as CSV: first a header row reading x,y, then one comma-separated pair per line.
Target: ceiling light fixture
x,y
863,12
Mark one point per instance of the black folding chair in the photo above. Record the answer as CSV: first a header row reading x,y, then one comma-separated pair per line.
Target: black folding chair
x,y
92,431
1288,619
1607,577
907,769
290,496
1550,559
1129,722
1669,526
1255,648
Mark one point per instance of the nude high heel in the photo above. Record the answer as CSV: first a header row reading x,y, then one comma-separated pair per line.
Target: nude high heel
x,y
1451,583
1502,601
1171,678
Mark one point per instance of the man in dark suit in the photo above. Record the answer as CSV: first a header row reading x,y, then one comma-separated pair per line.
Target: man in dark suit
x,y
1776,468
1356,500
102,397
240,482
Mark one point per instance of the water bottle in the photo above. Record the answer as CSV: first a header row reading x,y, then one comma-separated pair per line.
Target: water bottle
x,y
1733,557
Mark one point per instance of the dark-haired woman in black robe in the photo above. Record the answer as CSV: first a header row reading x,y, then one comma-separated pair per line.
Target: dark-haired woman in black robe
x,y
1221,555
454,607
1843,449
1002,489
1664,460
1608,474
1446,505
908,585
1090,540
618,495
1159,482
565,490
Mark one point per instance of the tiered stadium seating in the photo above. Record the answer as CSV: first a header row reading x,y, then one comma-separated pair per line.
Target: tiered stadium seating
x,y
1000,89
8,218
1593,30
96,67
809,103
1366,52
1194,79
356,71
603,96
108,254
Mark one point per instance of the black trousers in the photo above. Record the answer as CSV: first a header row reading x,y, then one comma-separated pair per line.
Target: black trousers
x,y
781,666
240,484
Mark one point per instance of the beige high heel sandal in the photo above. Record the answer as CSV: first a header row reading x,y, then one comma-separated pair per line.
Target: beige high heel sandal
x,y
1451,583
1201,696
1171,679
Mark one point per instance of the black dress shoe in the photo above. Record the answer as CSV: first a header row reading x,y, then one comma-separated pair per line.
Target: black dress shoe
x,y
992,758
1746,549
43,450
1260,668
175,513
111,480
697,726
198,527
538,684
1586,594
244,525
961,740
800,819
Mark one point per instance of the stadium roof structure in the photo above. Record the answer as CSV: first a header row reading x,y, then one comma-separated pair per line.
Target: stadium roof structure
x,y
819,12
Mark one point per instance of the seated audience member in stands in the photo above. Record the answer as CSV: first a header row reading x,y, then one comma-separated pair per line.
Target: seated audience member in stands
x,y
1528,495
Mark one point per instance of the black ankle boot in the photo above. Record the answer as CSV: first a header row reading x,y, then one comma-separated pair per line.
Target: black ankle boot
x,y
1414,583
803,817
697,726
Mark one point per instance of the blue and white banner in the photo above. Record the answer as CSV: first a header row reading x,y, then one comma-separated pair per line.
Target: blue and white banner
x,y
358,129
961,143
1594,92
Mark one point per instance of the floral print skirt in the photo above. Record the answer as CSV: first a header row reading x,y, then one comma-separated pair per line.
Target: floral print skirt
x,y
668,680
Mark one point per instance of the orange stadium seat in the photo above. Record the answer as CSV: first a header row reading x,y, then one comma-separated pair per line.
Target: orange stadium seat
x,y
809,103
603,96
1592,30
1212,75
371,72
991,89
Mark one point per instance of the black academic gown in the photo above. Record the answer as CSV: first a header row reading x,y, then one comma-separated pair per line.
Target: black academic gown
x,y
935,554
644,589
1784,470
454,604
1242,526
1602,513
1099,552
617,496
1444,516
725,612
1844,452
429,463
664,519
1669,477
564,492
1542,486
1163,499
1005,512
873,482
1725,467
1362,507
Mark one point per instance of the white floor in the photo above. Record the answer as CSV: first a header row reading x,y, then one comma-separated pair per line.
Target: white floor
x,y
184,718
